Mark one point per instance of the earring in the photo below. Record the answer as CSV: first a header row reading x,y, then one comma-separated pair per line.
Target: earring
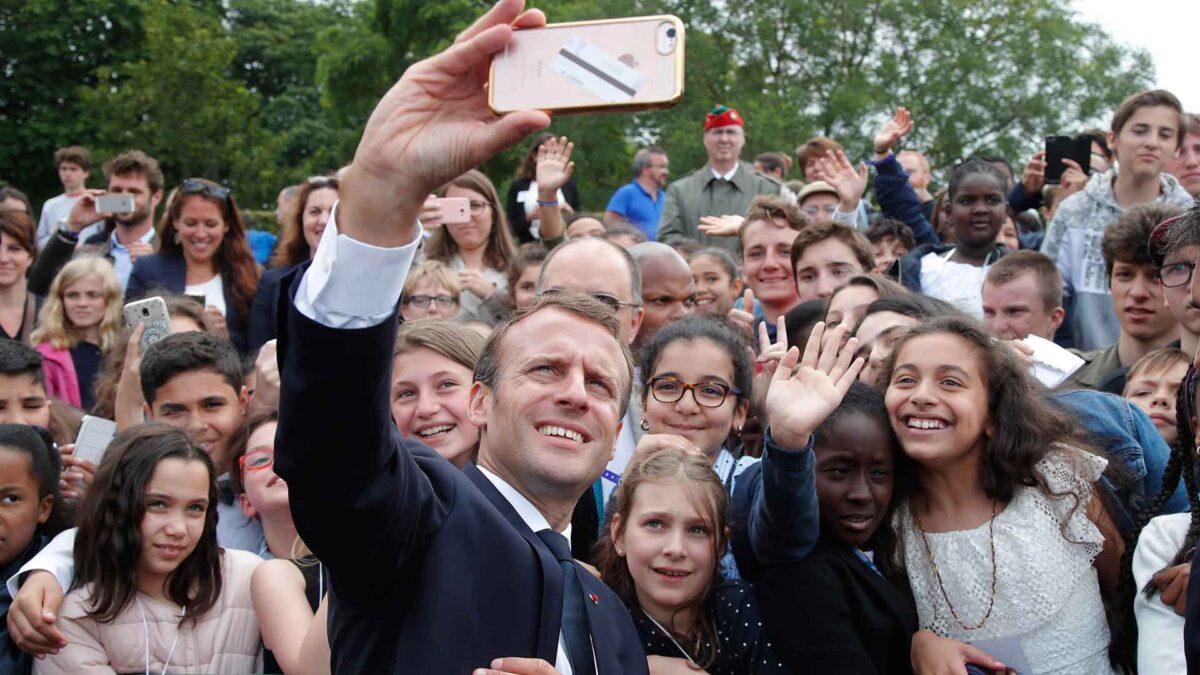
x,y
737,431
178,239
645,425
620,552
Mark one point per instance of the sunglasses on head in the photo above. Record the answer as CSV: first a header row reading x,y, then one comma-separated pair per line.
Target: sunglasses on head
x,y
199,186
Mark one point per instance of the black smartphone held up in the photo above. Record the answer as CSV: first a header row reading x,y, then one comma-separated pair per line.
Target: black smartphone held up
x,y
1058,148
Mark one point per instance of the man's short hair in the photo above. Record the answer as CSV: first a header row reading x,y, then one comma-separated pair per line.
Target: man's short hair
x,y
1191,123
773,161
890,227
1100,138
135,162
185,352
624,228
1128,239
635,276
1045,275
642,158
772,208
1148,99
18,358
487,368
77,155
830,229
814,148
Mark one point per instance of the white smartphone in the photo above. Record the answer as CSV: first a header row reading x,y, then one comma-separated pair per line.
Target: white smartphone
x,y
153,313
95,434
120,203
590,66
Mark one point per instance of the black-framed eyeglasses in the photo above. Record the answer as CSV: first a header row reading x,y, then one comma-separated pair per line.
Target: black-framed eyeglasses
x,y
667,389
1176,274
423,301
193,186
612,301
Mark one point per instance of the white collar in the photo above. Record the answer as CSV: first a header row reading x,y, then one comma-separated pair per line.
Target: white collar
x,y
532,518
726,176
118,246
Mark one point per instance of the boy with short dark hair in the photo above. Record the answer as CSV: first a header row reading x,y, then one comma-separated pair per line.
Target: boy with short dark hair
x,y
74,164
23,397
825,255
890,240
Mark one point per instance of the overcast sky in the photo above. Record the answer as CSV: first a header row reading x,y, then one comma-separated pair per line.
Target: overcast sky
x,y
1168,29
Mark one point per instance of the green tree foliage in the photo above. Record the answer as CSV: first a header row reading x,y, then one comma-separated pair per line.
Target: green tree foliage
x,y
260,93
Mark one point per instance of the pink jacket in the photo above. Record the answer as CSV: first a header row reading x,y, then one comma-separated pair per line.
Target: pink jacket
x,y
61,380
225,639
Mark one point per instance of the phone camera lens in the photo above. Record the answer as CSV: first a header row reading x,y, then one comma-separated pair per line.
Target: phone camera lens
x,y
145,311
671,33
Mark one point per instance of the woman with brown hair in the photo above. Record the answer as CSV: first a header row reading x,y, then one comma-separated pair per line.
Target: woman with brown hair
x,y
18,307
297,244
480,251
204,252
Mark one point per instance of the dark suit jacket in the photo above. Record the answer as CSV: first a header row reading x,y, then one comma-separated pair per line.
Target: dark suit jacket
x,y
1191,625
164,272
830,613
264,311
432,571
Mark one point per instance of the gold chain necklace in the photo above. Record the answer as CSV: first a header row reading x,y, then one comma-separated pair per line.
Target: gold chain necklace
x,y
938,575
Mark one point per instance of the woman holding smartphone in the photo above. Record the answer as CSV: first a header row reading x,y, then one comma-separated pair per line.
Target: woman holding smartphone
x,y
480,251
204,252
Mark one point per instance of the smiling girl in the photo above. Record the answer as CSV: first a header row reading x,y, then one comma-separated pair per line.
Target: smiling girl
x,y
662,557
78,325
717,279
432,371
152,589
1002,532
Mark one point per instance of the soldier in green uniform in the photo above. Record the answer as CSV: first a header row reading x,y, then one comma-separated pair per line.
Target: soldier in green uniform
x,y
723,187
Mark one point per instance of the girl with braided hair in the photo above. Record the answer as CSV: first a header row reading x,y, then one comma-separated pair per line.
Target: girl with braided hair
x,y
1152,591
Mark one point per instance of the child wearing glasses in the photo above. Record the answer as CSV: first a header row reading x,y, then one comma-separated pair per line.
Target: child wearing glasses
x,y
431,290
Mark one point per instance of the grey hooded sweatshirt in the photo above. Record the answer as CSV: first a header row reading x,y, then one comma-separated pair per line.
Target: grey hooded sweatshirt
x,y
1073,243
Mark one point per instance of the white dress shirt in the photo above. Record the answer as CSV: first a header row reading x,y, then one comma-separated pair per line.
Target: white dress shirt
x,y
725,176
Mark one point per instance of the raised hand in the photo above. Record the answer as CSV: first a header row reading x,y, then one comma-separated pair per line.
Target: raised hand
x,y
721,226
800,398
1033,177
554,165
431,213
769,356
744,318
474,281
84,213
432,126
891,133
1073,180
849,182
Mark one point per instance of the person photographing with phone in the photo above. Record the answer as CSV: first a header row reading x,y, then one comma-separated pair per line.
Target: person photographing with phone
x,y
122,236
204,252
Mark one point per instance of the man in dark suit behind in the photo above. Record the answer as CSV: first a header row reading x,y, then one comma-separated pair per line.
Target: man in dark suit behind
x,y
436,570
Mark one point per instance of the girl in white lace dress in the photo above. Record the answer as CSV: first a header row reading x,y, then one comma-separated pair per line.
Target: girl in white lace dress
x,y
1000,530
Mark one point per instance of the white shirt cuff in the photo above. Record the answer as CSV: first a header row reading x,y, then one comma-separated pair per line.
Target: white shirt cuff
x,y
351,284
57,558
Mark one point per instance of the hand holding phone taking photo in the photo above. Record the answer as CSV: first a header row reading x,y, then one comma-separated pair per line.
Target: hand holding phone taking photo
x,y
114,203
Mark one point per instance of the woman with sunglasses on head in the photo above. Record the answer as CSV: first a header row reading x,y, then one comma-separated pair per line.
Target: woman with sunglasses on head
x,y
204,252
480,251
297,244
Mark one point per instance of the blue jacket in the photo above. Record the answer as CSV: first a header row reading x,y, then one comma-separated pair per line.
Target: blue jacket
x,y
1124,432
264,313
898,200
168,272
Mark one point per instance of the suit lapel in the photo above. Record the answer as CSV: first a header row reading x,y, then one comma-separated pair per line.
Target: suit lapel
x,y
552,602
604,639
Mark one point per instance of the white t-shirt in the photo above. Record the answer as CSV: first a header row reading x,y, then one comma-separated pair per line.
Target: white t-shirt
x,y
55,209
958,284
213,292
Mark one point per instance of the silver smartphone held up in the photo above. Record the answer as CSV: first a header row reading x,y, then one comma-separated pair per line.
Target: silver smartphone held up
x,y
95,434
153,313
119,203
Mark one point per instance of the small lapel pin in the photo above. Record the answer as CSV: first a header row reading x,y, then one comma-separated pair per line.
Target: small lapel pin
x,y
595,599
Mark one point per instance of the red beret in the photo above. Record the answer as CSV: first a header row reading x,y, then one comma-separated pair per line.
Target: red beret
x,y
722,116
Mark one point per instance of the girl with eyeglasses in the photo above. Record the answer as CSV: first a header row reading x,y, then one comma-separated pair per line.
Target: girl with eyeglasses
x,y
289,587
204,253
306,220
480,251
153,591
431,290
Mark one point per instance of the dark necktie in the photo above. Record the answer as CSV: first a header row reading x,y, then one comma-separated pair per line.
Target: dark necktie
x,y
574,614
